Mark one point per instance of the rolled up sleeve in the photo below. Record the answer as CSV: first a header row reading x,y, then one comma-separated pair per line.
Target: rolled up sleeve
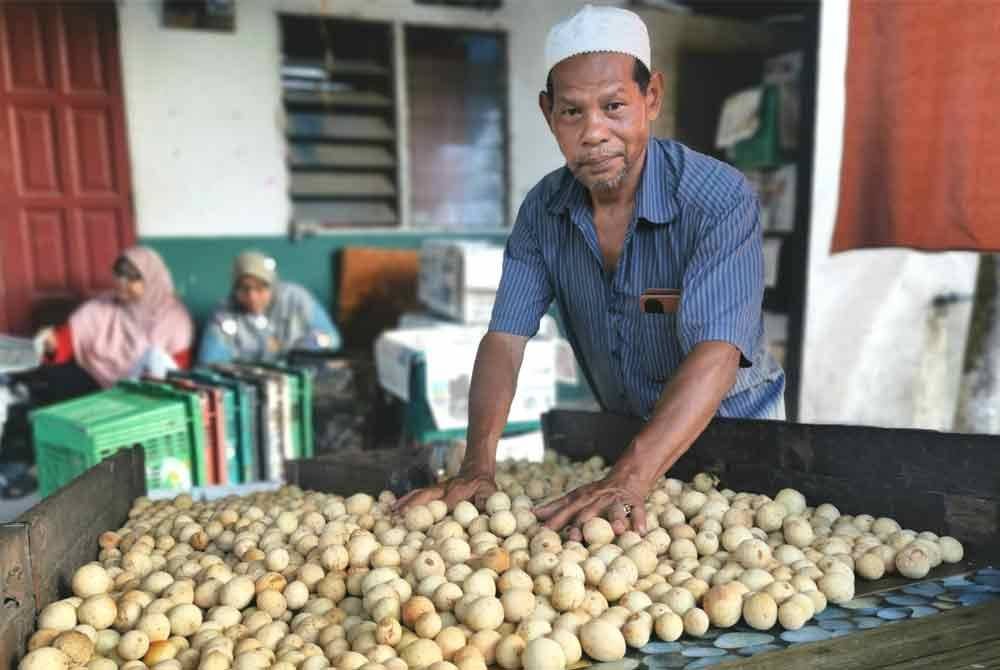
x,y
525,290
724,283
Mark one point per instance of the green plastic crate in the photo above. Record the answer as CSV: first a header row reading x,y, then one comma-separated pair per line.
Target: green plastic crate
x,y
270,429
281,419
244,419
300,386
196,430
234,473
73,436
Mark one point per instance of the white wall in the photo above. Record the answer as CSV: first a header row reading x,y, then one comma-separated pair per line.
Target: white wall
x,y
203,117
867,355
204,108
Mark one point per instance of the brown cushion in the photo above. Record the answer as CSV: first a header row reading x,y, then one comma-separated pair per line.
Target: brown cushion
x,y
376,286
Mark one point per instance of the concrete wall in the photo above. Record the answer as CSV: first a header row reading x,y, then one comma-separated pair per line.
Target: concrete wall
x,y
876,352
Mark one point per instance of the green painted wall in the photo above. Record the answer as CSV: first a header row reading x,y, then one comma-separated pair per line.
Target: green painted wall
x,y
201,266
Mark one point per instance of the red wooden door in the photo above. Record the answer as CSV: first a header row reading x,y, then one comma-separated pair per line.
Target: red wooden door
x,y
65,194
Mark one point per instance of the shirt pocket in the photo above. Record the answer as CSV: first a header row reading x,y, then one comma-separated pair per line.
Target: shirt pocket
x,y
657,339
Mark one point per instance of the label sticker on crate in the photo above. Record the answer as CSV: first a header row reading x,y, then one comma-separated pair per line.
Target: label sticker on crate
x,y
170,473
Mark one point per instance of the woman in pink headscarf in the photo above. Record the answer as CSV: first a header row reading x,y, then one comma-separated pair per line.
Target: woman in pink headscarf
x,y
141,328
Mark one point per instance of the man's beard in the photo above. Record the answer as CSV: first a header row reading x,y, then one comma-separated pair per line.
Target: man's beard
x,y
611,183
605,184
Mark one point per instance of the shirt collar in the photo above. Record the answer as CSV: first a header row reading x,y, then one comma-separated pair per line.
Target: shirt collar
x,y
654,199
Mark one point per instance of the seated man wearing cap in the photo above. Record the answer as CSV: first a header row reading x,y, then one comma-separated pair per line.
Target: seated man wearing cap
x,y
628,216
264,319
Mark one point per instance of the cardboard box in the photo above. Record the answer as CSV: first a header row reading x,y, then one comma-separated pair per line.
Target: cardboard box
x,y
459,280
442,359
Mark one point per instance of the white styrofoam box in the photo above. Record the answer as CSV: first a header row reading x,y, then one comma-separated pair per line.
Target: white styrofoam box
x,y
524,447
548,328
460,279
448,354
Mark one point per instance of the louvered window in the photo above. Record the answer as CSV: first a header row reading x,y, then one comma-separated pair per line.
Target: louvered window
x,y
349,85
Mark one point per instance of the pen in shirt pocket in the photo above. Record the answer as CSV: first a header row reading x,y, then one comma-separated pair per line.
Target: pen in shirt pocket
x,y
660,300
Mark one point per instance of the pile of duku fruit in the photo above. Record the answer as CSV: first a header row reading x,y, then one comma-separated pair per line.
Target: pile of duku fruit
x,y
302,580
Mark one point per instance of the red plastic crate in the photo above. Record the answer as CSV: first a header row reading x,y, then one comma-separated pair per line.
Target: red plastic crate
x,y
213,415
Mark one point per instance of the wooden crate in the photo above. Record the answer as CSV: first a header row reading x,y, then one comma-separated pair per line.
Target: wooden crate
x,y
944,482
40,551
948,483
927,480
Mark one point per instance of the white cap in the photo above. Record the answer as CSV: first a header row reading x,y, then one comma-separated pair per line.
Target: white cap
x,y
598,29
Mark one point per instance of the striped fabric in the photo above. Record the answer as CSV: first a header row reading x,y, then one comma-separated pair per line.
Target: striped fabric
x,y
696,227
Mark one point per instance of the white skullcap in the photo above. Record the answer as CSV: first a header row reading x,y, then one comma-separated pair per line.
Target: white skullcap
x,y
598,29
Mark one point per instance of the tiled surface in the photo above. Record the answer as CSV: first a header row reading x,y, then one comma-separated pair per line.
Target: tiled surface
x,y
920,599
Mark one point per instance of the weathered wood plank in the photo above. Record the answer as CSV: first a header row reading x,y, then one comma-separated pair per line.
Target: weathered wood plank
x,y
979,656
63,529
894,643
41,550
336,477
372,471
17,602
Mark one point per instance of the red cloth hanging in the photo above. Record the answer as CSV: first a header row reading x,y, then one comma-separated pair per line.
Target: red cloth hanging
x,y
921,165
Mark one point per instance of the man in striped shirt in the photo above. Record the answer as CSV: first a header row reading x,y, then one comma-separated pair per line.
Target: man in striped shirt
x,y
627,214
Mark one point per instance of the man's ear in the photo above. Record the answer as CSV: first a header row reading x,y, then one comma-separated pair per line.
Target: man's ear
x,y
654,95
545,105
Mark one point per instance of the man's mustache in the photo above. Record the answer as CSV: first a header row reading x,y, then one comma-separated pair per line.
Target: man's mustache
x,y
598,157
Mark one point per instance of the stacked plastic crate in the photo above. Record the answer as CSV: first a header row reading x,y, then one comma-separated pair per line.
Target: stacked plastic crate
x,y
225,425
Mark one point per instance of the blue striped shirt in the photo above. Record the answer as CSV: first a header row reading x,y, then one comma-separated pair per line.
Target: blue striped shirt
x,y
695,227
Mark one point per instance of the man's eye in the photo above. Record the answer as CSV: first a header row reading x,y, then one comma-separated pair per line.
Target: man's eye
x,y
570,111
615,106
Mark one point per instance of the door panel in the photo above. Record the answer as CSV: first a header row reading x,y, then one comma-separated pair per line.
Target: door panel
x,y
86,51
93,150
47,235
35,152
100,230
28,67
65,191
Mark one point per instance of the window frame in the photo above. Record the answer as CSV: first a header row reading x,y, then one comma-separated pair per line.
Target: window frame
x,y
298,229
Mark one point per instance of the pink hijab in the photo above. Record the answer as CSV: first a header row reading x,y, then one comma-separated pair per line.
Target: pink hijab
x,y
109,337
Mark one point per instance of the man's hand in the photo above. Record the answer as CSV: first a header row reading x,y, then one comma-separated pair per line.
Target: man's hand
x,y
475,488
685,407
494,378
620,498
